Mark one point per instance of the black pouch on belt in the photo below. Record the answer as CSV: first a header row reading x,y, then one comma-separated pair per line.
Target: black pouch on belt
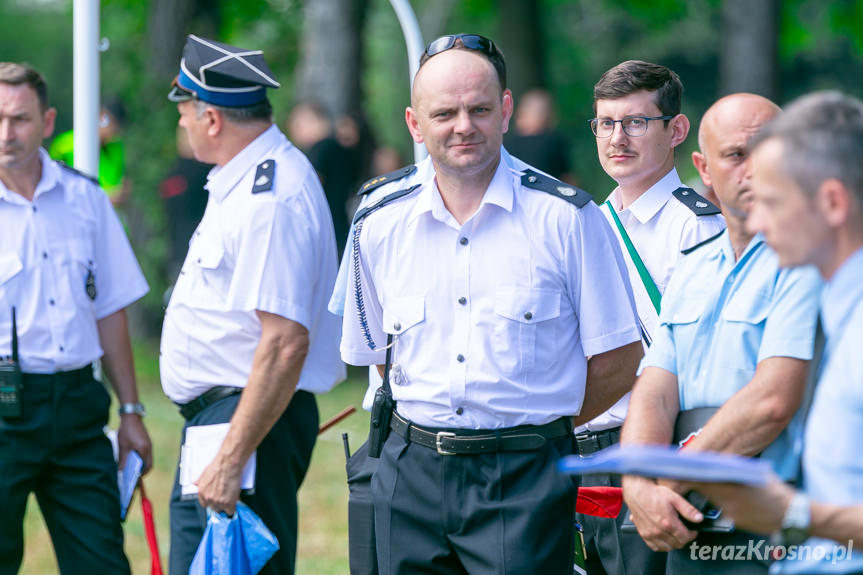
x,y
382,409
10,379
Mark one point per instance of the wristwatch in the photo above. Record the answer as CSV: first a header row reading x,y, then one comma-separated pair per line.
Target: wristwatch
x,y
795,524
136,408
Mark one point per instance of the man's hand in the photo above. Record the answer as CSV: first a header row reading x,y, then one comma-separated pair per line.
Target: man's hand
x,y
133,435
219,486
756,509
656,512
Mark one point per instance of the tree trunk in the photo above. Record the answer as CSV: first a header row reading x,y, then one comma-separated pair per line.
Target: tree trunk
x,y
332,54
748,61
170,22
520,37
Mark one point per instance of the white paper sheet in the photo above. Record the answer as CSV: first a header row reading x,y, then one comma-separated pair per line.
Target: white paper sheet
x,y
200,448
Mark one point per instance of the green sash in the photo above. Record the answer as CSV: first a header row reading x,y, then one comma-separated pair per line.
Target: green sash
x,y
649,285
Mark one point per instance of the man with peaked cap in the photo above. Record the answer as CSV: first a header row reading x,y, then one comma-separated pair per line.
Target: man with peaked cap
x,y
247,338
500,296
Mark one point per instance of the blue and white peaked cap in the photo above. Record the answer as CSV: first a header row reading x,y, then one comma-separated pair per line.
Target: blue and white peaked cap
x,y
221,74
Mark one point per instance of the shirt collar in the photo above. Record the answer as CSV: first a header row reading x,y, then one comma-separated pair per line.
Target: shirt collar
x,y
222,179
499,191
651,201
48,181
725,250
842,293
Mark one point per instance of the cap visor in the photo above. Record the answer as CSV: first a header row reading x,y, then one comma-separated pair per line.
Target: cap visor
x,y
177,94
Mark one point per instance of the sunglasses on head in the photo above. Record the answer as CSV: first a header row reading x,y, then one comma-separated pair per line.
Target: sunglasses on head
x,y
470,41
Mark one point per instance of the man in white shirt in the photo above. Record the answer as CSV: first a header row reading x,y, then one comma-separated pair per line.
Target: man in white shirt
x,y
247,337
638,126
488,285
67,270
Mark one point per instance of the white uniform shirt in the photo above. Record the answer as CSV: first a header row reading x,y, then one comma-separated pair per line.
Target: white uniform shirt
x,y
48,248
544,285
272,251
660,227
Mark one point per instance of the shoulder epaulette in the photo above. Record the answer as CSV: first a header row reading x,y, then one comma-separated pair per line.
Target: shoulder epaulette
x,y
264,177
379,181
700,205
573,195
69,168
361,214
691,249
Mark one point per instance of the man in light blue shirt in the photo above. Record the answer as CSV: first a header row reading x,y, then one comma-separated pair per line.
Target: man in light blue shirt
x,y
735,334
808,182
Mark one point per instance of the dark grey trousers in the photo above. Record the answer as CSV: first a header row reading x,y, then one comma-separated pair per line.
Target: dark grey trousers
x,y
501,513
282,460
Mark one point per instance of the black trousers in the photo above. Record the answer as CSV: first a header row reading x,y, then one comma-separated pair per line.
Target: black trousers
x,y
362,553
58,451
282,461
610,551
501,513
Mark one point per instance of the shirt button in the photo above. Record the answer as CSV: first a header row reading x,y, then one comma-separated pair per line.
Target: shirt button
x,y
397,326
44,255
462,300
459,411
61,348
34,209
51,301
528,315
463,241
459,358
199,260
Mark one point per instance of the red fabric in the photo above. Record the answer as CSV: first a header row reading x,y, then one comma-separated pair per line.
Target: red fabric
x,y
599,501
150,529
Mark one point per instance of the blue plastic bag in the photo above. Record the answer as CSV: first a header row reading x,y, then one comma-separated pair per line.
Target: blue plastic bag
x,y
238,545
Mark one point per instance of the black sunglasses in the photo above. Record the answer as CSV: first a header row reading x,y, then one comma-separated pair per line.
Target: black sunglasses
x,y
470,41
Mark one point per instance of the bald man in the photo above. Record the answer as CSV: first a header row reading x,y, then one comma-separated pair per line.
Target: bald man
x,y
727,368
482,286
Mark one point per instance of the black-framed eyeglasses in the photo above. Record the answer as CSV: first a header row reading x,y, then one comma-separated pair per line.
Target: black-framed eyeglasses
x,y
469,41
632,125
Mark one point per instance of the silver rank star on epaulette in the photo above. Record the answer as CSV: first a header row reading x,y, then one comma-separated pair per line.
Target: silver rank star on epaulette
x,y
264,176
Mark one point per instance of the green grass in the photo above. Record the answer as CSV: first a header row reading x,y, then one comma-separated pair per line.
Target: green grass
x,y
323,536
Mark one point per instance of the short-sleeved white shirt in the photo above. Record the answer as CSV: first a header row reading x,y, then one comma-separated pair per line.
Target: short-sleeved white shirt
x,y
660,227
49,247
543,286
272,251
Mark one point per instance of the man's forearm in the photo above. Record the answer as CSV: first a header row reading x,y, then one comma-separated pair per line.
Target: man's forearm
x,y
274,376
755,416
837,522
117,360
609,376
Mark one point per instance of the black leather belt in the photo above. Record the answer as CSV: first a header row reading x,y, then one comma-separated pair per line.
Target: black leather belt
x,y
206,399
471,441
593,441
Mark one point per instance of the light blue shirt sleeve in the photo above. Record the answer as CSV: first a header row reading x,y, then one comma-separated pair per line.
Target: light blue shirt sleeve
x,y
790,327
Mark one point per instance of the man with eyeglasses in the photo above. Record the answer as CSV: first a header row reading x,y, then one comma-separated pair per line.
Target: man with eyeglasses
x,y
638,126
727,368
483,287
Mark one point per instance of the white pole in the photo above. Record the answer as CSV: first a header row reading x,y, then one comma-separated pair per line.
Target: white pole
x,y
86,85
415,45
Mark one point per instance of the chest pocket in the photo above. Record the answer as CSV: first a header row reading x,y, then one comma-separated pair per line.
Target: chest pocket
x,y
80,272
210,275
401,317
10,266
525,329
745,317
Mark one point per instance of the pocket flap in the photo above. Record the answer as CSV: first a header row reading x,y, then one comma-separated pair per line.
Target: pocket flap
x,y
527,305
403,313
210,257
747,308
684,314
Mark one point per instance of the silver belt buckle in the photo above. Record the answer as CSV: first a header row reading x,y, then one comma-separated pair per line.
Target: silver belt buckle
x,y
440,435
